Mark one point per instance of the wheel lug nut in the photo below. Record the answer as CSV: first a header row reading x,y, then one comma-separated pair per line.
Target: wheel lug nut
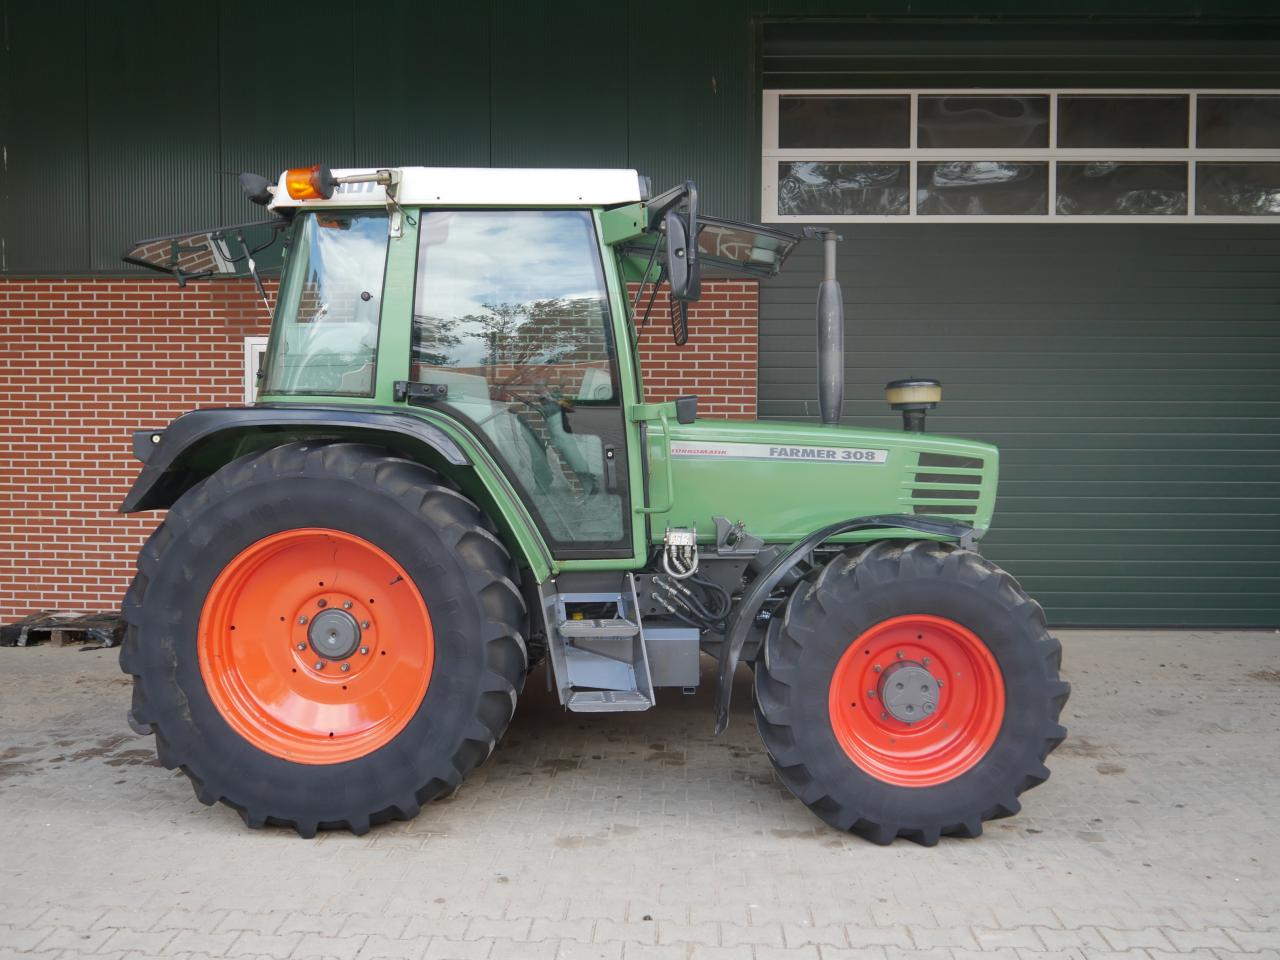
x,y
884,716
364,651
346,667
302,646
871,694
346,604
319,664
302,619
924,662
899,654
364,624
877,668
322,602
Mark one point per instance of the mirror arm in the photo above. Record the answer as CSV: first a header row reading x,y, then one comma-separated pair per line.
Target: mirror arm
x,y
657,207
653,295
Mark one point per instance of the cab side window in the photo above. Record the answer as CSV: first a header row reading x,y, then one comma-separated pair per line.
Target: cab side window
x,y
511,313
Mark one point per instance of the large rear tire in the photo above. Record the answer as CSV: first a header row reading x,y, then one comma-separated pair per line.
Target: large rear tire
x,y
910,691
324,636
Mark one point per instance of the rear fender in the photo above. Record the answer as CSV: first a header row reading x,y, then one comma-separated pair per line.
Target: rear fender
x,y
197,444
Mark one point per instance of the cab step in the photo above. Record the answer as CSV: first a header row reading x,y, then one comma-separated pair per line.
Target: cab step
x,y
607,701
598,629
599,665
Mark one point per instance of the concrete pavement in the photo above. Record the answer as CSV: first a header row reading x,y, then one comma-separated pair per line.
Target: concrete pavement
x,y
643,836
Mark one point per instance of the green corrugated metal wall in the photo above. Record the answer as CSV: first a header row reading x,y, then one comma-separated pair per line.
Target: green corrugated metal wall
x,y
121,120
1129,374
128,120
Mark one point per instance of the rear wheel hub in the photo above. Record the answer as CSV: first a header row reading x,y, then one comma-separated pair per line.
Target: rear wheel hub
x,y
909,692
334,634
315,646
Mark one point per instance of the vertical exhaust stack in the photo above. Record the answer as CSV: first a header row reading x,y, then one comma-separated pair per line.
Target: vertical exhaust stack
x,y
830,330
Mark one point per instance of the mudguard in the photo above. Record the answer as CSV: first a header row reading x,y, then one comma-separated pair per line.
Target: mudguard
x,y
198,443
744,614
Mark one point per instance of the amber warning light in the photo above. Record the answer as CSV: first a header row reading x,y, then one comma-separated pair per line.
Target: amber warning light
x,y
310,183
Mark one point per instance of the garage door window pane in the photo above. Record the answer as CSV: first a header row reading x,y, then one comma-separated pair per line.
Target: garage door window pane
x,y
852,123
821,189
1093,121
977,122
983,188
1238,189
1238,123
1107,188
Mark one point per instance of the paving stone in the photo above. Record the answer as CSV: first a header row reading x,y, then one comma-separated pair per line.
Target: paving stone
x,y
866,936
579,930
990,938
573,950
26,938
739,935
705,933
641,932
798,934
141,941
521,950
1149,937
389,948
926,938
1209,938
328,945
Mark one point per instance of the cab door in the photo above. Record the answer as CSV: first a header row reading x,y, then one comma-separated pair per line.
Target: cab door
x,y
512,317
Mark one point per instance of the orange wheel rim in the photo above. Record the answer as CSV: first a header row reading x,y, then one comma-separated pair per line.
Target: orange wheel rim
x,y
315,646
916,700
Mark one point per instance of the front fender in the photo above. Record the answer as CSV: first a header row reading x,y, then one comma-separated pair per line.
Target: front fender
x,y
744,614
198,443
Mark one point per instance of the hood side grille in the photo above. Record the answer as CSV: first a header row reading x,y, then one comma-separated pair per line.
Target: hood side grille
x,y
941,488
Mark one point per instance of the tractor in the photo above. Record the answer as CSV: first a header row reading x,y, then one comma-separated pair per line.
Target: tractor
x,y
452,474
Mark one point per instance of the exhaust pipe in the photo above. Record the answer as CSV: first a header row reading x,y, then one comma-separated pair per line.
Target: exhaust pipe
x,y
830,330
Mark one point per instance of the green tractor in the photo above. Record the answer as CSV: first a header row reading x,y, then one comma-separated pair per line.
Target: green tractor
x,y
452,474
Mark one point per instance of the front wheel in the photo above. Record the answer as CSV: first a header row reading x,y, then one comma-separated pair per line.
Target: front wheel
x,y
324,635
910,691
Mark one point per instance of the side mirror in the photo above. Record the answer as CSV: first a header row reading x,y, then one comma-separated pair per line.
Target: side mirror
x,y
684,272
256,188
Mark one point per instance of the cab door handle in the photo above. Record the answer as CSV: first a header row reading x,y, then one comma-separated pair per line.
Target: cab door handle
x,y
610,469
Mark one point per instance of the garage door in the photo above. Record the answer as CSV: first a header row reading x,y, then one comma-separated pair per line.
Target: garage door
x,y
1130,375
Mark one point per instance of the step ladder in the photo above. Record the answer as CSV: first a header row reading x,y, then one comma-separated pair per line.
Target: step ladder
x,y
600,666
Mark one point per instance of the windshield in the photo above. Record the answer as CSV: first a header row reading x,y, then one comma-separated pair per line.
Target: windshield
x,y
325,337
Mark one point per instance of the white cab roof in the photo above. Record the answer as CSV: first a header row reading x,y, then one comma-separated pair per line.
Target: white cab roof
x,y
481,186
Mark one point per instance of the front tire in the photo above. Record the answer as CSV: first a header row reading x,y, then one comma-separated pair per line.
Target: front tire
x,y
324,636
910,691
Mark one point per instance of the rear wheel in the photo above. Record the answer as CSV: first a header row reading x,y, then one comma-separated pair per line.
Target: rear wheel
x,y
324,636
910,691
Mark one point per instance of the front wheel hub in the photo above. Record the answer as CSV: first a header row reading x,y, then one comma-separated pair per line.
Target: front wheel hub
x,y
916,700
334,634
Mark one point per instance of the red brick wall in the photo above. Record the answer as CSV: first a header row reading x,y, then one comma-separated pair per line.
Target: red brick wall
x,y
719,361
87,361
